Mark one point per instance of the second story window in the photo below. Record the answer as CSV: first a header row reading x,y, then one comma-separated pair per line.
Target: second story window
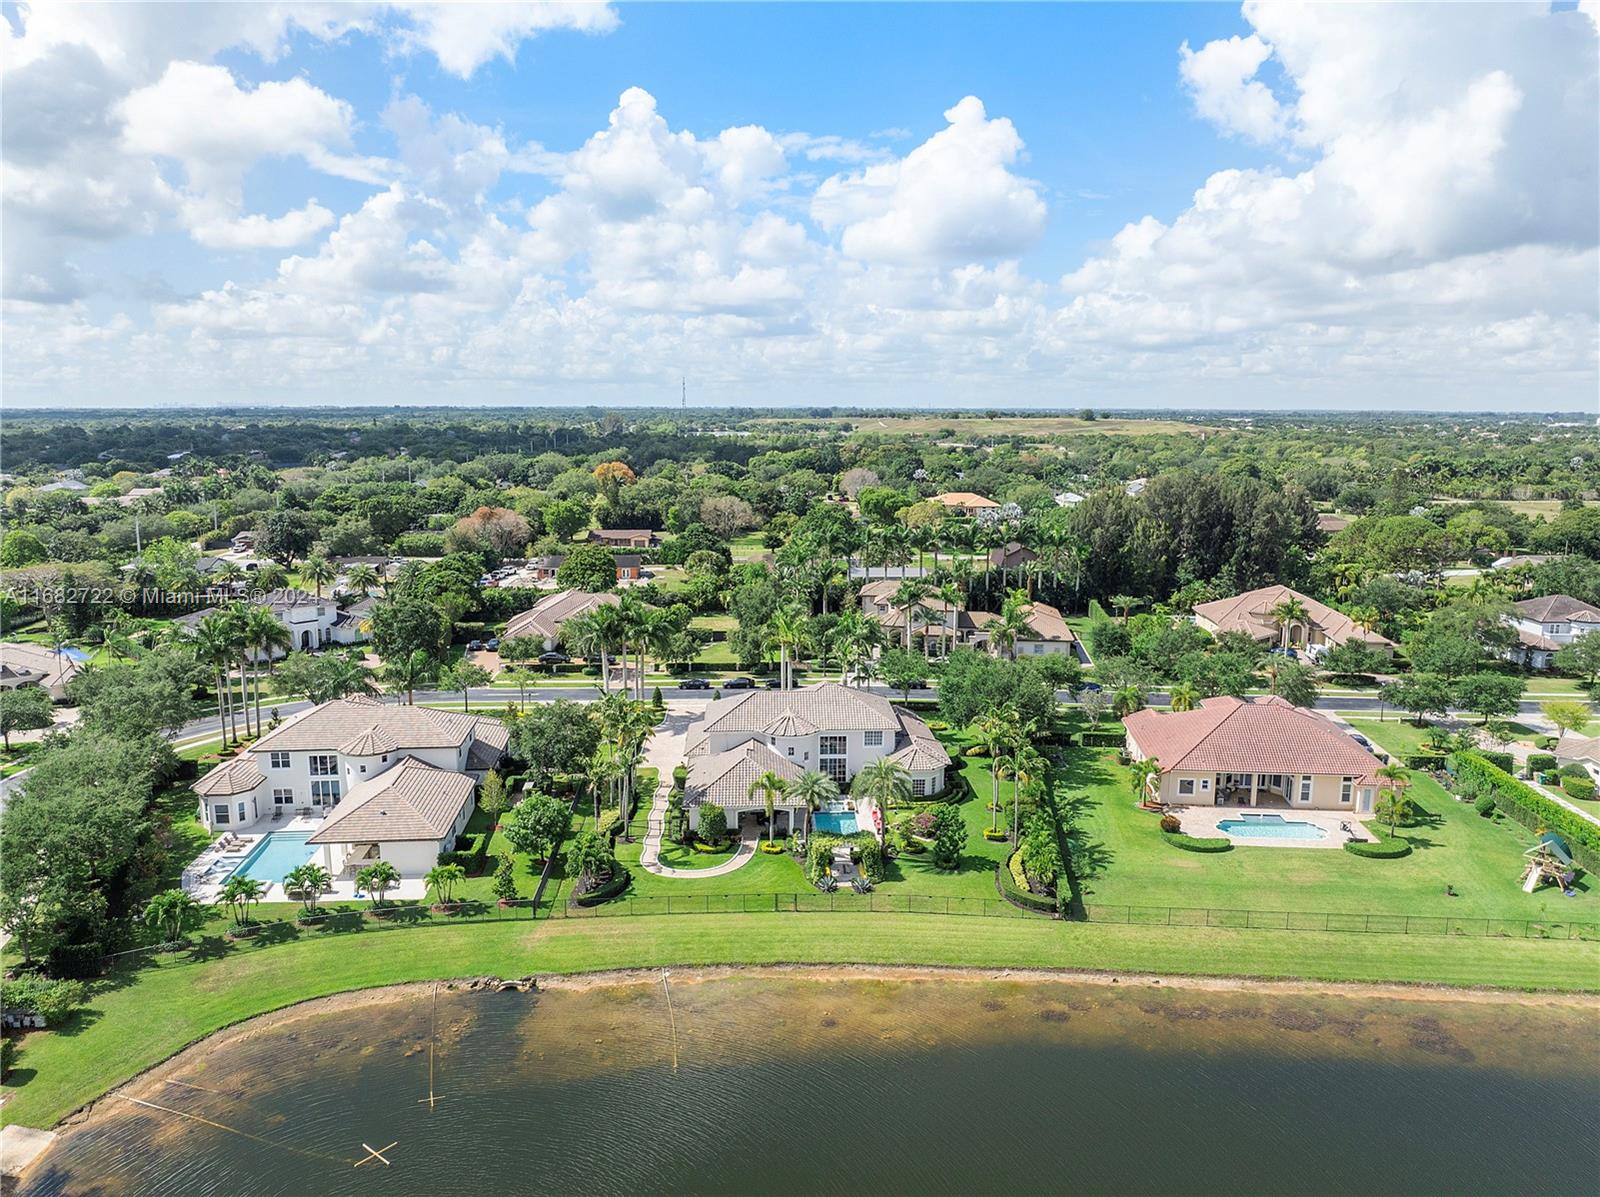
x,y
874,739
324,766
280,760
831,746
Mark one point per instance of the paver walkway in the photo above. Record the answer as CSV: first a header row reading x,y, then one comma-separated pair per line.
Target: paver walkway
x,y
664,753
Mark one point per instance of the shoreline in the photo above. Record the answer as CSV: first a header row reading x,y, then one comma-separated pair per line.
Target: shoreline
x,y
584,981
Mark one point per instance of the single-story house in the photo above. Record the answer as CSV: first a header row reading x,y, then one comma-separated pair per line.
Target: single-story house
x,y
1579,750
1253,752
25,664
623,538
964,502
628,566
1251,613
545,618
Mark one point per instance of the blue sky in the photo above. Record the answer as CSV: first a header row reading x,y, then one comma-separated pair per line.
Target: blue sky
x,y
1140,205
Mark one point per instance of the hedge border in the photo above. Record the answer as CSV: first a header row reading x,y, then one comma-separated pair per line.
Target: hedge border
x,y
611,889
1475,776
1193,843
1387,847
1027,899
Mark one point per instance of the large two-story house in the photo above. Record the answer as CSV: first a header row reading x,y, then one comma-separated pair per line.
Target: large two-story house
x,y
1253,614
312,622
1545,624
1252,752
378,781
831,728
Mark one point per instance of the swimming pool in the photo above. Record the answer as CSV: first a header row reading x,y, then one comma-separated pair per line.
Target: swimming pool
x,y
836,819
1271,827
273,857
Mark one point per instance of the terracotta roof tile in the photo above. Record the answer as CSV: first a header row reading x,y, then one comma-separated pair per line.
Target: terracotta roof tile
x,y
1231,735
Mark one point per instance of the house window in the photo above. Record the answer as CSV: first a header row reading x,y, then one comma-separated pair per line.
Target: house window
x,y
1305,788
241,812
791,751
1347,786
874,739
219,813
280,760
325,793
919,787
834,767
1205,784
283,797
324,766
831,746
1186,786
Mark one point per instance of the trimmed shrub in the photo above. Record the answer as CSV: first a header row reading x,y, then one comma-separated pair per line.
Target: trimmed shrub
x,y
774,847
1476,777
1500,760
995,835
51,1000
1012,883
1427,761
1572,769
1579,787
1190,843
1388,847
1544,743
607,891
1103,739
1484,805
1540,762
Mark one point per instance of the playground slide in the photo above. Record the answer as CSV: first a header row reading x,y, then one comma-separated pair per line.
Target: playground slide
x,y
1532,881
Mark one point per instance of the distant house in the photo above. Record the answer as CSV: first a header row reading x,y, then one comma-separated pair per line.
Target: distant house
x,y
1011,555
1260,752
545,618
1580,750
543,569
74,485
24,664
312,622
1545,624
828,727
1068,498
377,781
942,626
1331,523
1135,486
1251,613
244,542
964,502
624,538
1518,559
628,566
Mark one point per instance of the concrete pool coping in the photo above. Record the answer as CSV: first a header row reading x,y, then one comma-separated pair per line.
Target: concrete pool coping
x,y
1202,823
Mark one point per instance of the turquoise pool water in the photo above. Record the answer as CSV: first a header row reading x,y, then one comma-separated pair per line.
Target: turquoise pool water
x,y
273,857
836,821
1271,827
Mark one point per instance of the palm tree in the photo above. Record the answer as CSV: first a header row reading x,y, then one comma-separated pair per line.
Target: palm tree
x,y
1128,699
854,637
788,631
310,879
886,781
1031,769
769,785
264,634
319,571
908,596
1142,774
632,617
404,674
171,912
443,879
997,731
1124,603
239,894
1013,622
1183,696
608,629
213,645
814,788
1396,808
1287,614
362,578
227,574
378,878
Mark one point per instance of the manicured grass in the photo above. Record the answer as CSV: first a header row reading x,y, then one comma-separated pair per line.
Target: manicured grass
x,y
141,1016
1453,845
1398,737
714,623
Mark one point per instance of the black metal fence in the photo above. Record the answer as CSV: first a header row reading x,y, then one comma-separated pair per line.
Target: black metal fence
x,y
810,902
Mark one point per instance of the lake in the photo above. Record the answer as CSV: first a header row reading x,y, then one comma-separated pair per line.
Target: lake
x,y
806,1083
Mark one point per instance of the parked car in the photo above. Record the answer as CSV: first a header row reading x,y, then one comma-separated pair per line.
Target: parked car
x,y
739,683
474,645
1288,653
773,683
1361,740
492,644
1095,686
693,683
554,658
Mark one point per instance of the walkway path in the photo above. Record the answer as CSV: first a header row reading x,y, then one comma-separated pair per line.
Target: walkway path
x,y
665,752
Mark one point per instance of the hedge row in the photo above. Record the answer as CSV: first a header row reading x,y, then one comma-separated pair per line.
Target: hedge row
x,y
1500,760
1103,739
1387,847
619,882
1191,843
474,857
1006,883
1428,761
1578,787
1476,776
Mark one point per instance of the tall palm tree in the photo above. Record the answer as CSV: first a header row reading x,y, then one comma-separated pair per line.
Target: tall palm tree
x,y
1031,769
632,618
362,578
319,571
885,781
788,631
405,673
609,631
265,635
907,597
814,788
1012,624
1395,780
213,644
1124,603
1183,696
997,731
1142,773
769,785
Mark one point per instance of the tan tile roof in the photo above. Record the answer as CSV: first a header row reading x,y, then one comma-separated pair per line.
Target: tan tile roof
x,y
963,498
1251,613
1011,554
1232,735
374,741
1536,640
411,801
1552,608
827,706
1047,623
725,778
333,724
39,659
238,776
544,618
1578,748
922,752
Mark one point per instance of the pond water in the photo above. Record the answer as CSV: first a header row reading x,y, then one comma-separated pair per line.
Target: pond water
x,y
786,1083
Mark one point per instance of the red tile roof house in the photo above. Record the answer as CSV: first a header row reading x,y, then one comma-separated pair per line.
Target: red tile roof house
x,y
1262,752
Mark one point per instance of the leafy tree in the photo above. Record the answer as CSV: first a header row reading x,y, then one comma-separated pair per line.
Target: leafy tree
x,y
727,515
505,879
949,835
1295,683
536,825
464,676
590,858
492,798
1489,694
152,694
324,677
1353,659
588,567
24,709
555,737
972,682
713,825
21,549
408,625
1444,651
901,669
51,999
565,518
1581,657
406,674
378,878
286,536
1422,694
1568,717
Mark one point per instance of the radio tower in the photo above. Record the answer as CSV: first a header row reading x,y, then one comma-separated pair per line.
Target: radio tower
x,y
684,401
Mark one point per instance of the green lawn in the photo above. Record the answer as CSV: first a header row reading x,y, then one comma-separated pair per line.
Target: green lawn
x,y
1397,736
1481,858
141,1016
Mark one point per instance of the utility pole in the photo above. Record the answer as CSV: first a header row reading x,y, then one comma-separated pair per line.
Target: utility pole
x,y
684,401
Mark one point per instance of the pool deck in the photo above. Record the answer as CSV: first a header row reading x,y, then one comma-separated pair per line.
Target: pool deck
x,y
1202,823
218,861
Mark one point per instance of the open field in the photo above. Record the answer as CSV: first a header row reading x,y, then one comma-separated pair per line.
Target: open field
x,y
1532,508
961,428
141,1016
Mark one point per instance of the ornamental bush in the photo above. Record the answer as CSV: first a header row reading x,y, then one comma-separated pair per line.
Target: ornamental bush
x,y
1388,847
1571,769
51,1000
1476,777
1500,760
713,821
1540,762
1579,787
1484,805
1190,843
